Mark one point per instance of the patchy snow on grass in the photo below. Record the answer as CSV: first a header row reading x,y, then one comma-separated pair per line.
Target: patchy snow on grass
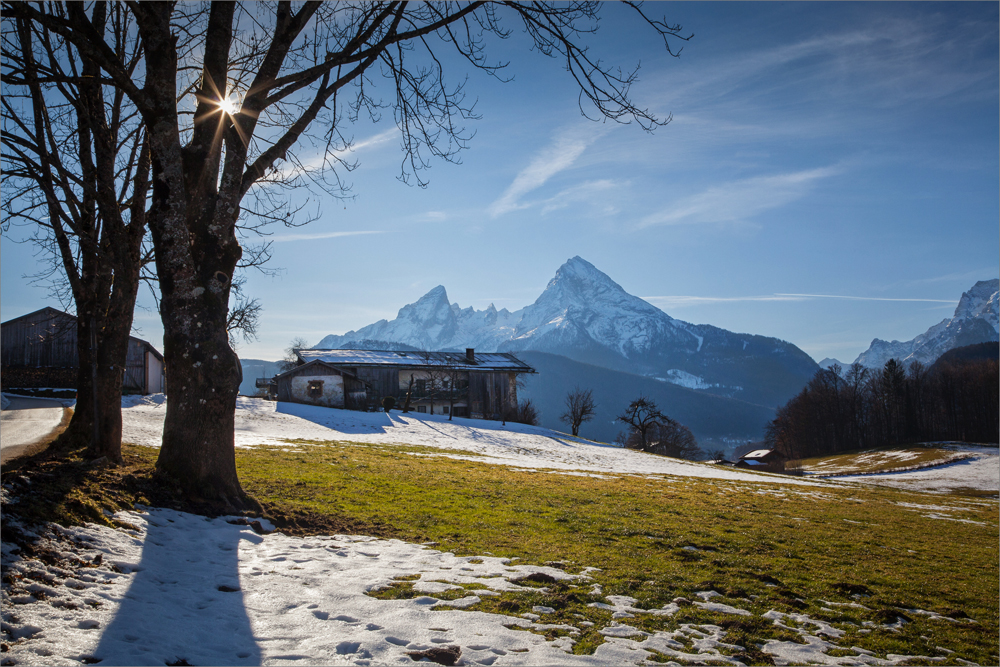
x,y
978,469
183,589
180,587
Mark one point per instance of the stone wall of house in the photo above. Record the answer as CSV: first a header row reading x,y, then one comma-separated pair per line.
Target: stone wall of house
x,y
330,393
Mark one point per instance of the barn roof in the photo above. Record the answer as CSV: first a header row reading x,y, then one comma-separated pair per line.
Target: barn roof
x,y
49,313
482,361
756,454
311,364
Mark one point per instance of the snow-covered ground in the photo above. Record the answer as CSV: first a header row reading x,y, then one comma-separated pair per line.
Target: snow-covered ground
x,y
261,423
977,468
179,587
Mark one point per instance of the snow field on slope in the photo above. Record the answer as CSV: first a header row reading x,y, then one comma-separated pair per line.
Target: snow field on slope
x,y
183,587
261,423
980,470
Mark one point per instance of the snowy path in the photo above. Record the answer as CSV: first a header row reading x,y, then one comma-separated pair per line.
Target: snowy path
x,y
26,420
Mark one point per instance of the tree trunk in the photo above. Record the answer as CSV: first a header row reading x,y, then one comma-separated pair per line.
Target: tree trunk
x,y
198,448
81,426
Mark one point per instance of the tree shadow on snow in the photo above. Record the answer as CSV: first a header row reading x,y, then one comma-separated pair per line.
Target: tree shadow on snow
x,y
185,604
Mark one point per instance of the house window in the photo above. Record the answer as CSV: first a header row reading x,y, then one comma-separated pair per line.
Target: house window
x,y
421,386
314,389
421,408
444,410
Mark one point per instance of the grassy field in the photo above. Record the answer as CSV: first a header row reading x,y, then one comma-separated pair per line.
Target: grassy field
x,y
886,459
763,547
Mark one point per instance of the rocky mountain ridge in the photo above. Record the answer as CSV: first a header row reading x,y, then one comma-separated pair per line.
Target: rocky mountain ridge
x,y
976,320
585,315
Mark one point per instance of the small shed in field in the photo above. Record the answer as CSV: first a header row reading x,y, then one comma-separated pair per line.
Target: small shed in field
x,y
767,460
39,350
466,385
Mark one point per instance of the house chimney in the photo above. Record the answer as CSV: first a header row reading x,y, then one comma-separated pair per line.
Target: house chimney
x,y
470,355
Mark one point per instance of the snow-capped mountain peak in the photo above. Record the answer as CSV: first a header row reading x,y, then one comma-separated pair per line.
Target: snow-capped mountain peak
x,y
976,320
981,301
585,315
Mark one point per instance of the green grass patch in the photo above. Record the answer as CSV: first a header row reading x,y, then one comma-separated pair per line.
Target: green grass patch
x,y
759,549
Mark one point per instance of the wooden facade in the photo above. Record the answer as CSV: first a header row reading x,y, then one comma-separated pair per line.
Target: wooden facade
x,y
40,350
482,388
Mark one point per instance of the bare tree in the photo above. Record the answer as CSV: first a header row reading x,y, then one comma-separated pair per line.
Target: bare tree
x,y
301,74
458,380
580,407
291,358
433,380
642,415
244,314
77,172
670,438
525,412
717,455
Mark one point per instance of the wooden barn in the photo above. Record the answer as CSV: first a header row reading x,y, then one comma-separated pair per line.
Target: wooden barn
x,y
39,350
470,384
767,460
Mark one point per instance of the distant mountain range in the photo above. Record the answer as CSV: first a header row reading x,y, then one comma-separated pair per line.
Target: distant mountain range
x,y
584,315
976,320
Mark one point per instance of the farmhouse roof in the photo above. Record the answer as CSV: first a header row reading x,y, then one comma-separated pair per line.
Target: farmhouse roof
x,y
480,361
54,314
757,454
312,364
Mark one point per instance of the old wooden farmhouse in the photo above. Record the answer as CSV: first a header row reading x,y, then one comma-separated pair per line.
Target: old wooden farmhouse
x,y
39,350
768,460
467,385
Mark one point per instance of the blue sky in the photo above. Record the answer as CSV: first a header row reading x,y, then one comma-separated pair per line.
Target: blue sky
x,y
817,151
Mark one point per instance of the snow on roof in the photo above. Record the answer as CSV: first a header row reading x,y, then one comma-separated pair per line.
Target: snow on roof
x,y
757,454
484,361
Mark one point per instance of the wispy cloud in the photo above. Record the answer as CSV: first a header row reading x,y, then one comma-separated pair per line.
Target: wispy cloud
x,y
558,156
864,298
739,200
964,276
284,238
585,192
299,167
682,301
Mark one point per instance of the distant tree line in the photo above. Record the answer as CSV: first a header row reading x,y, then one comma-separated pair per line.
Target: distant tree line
x,y
863,408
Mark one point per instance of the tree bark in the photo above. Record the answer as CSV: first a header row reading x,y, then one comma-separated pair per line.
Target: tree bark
x,y
193,223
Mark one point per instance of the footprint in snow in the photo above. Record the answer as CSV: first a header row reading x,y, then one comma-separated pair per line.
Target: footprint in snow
x,y
346,619
322,615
